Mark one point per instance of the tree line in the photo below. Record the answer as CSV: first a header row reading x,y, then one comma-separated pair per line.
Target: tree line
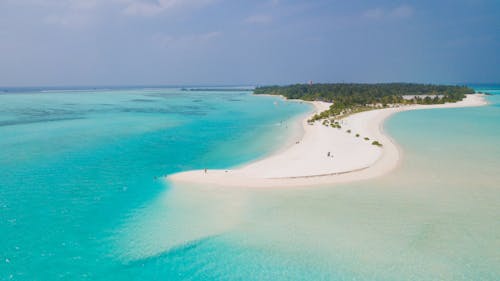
x,y
354,97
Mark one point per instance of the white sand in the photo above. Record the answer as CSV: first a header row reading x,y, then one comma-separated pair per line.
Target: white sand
x,y
306,163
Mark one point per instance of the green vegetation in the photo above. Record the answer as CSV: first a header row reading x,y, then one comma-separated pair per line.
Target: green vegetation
x,y
352,98
357,135
367,138
377,143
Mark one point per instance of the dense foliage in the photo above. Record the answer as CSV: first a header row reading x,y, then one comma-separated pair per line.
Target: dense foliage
x,y
350,98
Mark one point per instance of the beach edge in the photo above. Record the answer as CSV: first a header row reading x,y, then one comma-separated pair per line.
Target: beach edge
x,y
389,159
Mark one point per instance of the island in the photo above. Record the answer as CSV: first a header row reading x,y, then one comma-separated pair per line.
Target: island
x,y
341,139
352,98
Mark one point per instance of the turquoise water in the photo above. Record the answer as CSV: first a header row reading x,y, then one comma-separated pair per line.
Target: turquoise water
x,y
79,201
75,164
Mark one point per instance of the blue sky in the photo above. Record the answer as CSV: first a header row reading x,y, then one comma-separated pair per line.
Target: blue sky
x,y
173,42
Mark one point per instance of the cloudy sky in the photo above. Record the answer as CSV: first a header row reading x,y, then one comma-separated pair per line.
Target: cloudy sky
x,y
174,42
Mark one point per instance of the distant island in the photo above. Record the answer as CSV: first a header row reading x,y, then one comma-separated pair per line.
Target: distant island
x,y
349,98
218,89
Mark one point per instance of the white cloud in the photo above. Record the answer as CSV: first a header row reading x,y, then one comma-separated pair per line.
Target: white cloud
x,y
375,14
69,4
68,13
403,11
148,8
170,41
154,7
210,35
80,13
259,19
275,2
400,12
73,13
68,20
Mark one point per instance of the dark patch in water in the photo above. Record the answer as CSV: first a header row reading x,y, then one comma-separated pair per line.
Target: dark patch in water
x,y
43,113
165,95
143,100
32,121
177,250
191,107
184,110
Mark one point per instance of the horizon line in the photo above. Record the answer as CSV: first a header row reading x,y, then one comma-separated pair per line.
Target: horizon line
x,y
210,85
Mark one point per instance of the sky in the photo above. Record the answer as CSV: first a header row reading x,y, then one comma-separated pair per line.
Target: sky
x,y
233,42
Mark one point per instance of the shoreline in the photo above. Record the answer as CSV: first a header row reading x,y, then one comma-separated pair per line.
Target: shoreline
x,y
297,131
323,155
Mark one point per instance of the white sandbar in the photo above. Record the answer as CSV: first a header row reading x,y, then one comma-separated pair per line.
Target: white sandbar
x,y
307,163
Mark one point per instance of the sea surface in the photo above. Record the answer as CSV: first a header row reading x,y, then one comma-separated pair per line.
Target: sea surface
x,y
82,195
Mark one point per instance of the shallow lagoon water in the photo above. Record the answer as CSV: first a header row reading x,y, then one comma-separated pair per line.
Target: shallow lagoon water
x,y
79,200
75,165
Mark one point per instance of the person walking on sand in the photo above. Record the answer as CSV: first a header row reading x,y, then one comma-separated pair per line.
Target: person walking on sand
x,y
328,154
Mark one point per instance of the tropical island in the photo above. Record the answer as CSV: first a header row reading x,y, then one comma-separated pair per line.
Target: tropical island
x,y
341,139
352,98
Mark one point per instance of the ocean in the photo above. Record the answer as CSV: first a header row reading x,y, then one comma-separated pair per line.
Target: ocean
x,y
81,194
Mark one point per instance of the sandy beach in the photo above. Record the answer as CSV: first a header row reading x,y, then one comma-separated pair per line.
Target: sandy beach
x,y
323,155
